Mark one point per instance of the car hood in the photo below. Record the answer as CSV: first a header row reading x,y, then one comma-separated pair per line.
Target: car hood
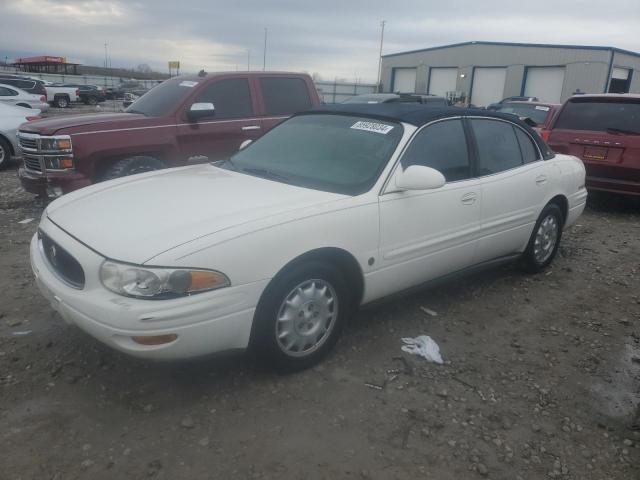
x,y
136,218
101,121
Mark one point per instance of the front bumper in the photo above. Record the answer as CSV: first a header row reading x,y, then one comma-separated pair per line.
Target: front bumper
x,y
205,323
52,184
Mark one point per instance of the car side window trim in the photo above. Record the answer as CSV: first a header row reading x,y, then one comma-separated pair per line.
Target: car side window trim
x,y
472,134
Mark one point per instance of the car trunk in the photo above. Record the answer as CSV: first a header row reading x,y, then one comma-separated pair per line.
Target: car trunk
x,y
604,133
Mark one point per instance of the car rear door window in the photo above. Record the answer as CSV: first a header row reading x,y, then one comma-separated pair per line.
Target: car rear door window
x,y
498,148
600,115
231,98
442,146
527,147
7,92
284,96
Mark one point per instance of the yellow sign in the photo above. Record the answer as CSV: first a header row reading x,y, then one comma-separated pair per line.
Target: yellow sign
x,y
174,65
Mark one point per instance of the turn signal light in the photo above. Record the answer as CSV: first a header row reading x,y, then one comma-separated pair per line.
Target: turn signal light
x,y
66,163
155,339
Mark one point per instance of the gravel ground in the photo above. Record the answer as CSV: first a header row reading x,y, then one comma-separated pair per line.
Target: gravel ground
x,y
541,380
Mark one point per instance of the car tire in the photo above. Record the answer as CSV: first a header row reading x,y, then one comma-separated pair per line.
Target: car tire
x,y
545,239
300,316
132,166
92,101
61,102
5,153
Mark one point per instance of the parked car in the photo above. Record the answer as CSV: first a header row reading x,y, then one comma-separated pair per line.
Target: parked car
x,y
89,94
61,96
274,248
29,85
432,100
495,106
604,131
11,117
540,113
184,120
11,95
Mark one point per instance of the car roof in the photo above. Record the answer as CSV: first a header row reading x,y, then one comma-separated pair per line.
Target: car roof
x,y
543,104
419,114
606,95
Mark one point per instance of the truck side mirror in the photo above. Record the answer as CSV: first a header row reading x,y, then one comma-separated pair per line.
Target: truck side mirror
x,y
201,110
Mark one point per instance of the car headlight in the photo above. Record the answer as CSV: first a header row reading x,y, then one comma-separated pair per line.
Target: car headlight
x,y
57,143
159,283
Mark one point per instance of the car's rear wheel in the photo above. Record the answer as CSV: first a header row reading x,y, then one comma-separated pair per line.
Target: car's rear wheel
x,y
545,239
92,101
61,102
132,166
300,317
5,153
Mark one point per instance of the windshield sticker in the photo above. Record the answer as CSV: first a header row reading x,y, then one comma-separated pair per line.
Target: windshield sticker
x,y
540,107
188,83
373,127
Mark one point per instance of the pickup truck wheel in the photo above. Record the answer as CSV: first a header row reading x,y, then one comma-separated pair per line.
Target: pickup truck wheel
x,y
133,165
91,101
299,318
5,152
545,239
61,102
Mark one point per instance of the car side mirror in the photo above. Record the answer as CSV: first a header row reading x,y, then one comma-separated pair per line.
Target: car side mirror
x,y
419,177
200,110
245,144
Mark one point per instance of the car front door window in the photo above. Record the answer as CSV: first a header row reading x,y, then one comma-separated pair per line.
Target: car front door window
x,y
230,97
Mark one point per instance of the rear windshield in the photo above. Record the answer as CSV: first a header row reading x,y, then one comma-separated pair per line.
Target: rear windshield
x,y
162,99
537,113
600,115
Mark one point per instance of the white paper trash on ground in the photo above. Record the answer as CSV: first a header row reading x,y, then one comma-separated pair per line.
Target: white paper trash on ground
x,y
424,346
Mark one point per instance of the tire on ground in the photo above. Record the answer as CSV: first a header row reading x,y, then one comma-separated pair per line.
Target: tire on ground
x,y
5,152
133,165
61,101
532,262
264,335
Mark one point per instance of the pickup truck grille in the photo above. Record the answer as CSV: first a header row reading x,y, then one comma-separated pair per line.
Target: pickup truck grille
x,y
62,262
28,143
32,162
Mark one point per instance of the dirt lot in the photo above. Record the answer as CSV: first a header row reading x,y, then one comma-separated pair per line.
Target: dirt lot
x,y
541,380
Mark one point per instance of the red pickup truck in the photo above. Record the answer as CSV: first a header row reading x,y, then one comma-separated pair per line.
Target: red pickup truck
x,y
187,119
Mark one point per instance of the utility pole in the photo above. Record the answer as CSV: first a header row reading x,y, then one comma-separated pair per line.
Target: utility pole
x,y
248,60
380,56
264,56
105,55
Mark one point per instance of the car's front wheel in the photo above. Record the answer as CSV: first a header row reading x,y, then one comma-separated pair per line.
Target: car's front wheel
x,y
5,152
299,318
132,166
545,239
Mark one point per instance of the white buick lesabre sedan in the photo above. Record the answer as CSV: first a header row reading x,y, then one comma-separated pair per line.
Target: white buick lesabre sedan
x,y
276,247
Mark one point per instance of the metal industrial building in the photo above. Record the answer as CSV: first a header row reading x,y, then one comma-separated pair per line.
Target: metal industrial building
x,y
481,73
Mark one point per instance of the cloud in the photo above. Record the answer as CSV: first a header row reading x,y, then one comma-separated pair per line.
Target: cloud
x,y
334,38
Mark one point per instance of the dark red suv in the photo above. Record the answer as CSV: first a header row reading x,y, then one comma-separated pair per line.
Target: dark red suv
x,y
604,131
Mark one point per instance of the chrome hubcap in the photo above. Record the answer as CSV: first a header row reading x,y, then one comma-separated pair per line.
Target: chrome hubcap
x,y
546,238
306,317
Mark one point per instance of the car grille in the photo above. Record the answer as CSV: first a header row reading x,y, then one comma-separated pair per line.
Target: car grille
x,y
32,163
28,143
62,262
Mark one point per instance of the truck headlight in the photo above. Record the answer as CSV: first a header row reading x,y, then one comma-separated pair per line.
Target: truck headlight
x,y
158,282
57,143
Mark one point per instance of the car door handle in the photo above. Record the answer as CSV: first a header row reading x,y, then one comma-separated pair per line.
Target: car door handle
x,y
541,179
250,127
468,198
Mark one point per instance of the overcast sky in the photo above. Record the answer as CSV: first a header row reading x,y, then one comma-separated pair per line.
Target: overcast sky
x,y
333,38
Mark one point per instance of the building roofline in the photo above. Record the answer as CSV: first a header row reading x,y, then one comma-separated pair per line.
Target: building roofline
x,y
510,44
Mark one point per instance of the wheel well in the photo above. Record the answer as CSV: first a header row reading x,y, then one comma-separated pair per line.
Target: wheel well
x,y
563,204
103,164
341,259
24,105
11,150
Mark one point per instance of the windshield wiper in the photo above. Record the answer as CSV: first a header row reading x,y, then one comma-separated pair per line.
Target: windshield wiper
x,y
621,131
265,173
220,163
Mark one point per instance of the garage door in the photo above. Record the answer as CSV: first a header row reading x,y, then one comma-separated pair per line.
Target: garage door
x,y
404,80
545,83
443,80
488,86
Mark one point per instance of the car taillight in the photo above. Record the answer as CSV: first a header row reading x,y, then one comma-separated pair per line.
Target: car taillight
x,y
545,134
31,119
43,99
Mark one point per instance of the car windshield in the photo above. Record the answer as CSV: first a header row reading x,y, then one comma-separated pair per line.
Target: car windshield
x,y
334,153
537,113
161,99
600,115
